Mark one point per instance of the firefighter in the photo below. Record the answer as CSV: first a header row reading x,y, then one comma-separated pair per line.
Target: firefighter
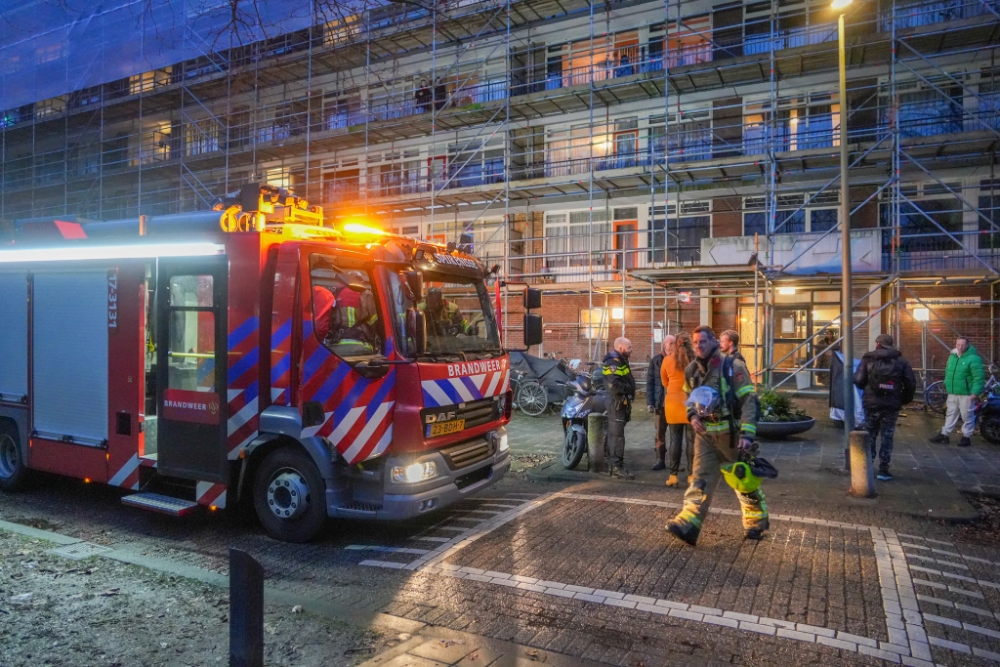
x,y
724,433
620,385
443,316
353,316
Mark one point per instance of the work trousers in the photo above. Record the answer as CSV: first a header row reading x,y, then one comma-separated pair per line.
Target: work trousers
x,y
960,406
711,450
660,444
616,434
681,437
881,422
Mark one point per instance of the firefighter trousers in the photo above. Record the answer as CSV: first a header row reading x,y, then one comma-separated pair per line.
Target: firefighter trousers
x,y
711,450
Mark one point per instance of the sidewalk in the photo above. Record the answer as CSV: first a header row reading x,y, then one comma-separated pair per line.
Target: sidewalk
x,y
928,478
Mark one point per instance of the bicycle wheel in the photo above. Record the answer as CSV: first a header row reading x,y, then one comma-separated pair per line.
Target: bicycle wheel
x,y
532,399
935,397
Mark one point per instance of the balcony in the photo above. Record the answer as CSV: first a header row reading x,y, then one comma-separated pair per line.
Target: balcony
x,y
802,254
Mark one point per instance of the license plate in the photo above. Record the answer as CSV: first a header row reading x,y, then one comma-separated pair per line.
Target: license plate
x,y
445,428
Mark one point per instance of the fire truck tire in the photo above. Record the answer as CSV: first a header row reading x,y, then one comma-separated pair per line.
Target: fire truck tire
x,y
13,468
288,495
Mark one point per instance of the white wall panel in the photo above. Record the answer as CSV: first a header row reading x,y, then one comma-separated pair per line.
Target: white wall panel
x,y
70,360
13,335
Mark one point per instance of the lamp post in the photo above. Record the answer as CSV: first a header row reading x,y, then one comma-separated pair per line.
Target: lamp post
x,y
846,298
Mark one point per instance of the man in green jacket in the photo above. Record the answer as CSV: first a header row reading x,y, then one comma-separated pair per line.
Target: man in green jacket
x,y
963,380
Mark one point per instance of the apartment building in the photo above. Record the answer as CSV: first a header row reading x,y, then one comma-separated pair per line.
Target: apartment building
x,y
652,165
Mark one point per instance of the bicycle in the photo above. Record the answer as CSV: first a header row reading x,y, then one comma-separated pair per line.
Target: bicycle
x,y
936,397
530,397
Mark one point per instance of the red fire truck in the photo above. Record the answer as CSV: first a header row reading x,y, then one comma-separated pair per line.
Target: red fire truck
x,y
254,355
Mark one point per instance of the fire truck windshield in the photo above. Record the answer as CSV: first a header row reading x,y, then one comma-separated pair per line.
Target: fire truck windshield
x,y
458,311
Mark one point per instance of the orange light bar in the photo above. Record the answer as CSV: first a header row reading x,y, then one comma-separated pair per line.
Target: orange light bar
x,y
358,228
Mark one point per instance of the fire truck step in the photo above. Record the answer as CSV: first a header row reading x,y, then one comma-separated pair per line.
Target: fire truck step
x,y
156,502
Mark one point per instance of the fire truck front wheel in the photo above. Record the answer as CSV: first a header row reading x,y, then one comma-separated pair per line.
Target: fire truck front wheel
x,y
288,495
13,469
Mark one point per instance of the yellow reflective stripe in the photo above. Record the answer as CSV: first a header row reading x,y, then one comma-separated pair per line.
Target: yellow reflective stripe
x,y
686,388
690,517
753,514
715,427
743,391
749,428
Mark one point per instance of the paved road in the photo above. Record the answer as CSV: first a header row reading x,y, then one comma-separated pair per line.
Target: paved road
x,y
586,570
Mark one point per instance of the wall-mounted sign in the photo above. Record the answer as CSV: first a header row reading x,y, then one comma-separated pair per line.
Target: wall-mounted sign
x,y
935,303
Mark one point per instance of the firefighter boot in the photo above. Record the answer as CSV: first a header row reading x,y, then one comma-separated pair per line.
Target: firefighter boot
x,y
755,520
685,527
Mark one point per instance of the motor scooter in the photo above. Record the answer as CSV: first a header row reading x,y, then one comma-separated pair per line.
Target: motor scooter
x,y
588,395
988,408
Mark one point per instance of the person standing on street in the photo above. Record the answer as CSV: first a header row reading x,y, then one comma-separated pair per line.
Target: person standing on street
x,y
675,412
620,385
729,343
655,397
721,436
964,381
887,382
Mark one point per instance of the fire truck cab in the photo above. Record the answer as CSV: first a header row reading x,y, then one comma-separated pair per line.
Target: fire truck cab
x,y
253,355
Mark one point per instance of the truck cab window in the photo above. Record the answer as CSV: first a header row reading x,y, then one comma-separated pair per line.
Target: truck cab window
x,y
192,334
345,307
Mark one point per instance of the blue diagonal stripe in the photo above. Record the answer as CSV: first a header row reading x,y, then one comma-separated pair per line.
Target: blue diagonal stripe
x,y
449,391
387,384
281,334
248,361
307,329
313,364
252,391
349,400
471,386
336,377
430,401
242,332
206,367
281,367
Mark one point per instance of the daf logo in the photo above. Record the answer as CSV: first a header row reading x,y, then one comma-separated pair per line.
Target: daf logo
x,y
439,417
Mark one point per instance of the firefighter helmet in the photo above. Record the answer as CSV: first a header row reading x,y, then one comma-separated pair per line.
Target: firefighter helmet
x,y
704,401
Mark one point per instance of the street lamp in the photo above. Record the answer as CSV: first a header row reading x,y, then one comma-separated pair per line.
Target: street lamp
x,y
846,297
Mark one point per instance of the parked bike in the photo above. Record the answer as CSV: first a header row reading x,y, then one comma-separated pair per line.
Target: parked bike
x,y
587,396
530,397
988,408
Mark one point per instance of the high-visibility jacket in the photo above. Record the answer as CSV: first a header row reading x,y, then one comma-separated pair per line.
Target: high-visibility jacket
x,y
708,373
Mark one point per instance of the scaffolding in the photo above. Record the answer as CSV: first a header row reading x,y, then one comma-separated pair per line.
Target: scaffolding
x,y
618,154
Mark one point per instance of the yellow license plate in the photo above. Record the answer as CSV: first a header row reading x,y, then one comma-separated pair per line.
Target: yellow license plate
x,y
444,428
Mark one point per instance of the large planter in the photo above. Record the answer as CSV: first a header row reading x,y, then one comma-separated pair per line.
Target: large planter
x,y
781,430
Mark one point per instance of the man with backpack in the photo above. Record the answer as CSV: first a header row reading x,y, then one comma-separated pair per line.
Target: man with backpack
x,y
887,383
724,433
964,380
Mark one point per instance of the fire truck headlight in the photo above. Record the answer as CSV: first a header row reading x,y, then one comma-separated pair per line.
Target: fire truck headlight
x,y
415,472
504,445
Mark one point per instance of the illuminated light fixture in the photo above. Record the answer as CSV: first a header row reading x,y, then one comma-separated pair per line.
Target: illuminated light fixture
x,y
786,290
684,297
921,314
840,4
83,253
617,313
358,228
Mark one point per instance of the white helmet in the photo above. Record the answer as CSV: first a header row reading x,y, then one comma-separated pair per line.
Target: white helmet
x,y
704,401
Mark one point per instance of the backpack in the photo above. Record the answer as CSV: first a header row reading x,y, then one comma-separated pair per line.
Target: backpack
x,y
883,380
735,408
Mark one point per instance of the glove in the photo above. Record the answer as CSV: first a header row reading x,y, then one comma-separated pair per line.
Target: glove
x,y
651,409
745,445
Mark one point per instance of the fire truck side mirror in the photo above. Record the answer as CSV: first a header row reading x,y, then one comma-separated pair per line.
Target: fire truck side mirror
x,y
415,281
416,330
532,298
532,330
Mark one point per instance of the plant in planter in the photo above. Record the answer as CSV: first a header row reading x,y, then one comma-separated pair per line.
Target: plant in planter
x,y
780,417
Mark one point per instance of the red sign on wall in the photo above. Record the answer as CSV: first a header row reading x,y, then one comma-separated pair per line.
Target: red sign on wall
x,y
191,406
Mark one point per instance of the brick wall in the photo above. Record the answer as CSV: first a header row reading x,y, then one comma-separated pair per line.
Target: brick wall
x,y
971,322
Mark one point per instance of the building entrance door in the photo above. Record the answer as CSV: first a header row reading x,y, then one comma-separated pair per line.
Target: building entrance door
x,y
792,328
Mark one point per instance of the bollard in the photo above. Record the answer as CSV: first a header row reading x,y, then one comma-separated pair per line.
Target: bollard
x,y
246,610
862,469
597,436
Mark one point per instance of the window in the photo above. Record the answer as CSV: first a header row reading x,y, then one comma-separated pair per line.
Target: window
x,y
989,218
192,334
570,238
927,113
677,239
790,218
917,232
344,307
594,323
201,136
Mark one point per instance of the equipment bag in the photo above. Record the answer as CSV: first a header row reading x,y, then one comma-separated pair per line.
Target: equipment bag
x,y
882,378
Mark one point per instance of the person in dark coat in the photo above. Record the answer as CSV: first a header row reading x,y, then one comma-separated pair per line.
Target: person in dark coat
x,y
620,385
655,398
887,383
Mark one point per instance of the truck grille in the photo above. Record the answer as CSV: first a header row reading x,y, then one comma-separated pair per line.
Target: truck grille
x,y
468,453
473,477
475,413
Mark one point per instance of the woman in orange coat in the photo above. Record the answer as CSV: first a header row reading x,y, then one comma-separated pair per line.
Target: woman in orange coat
x,y
672,376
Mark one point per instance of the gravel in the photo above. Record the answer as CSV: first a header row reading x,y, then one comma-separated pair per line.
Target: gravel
x,y
56,611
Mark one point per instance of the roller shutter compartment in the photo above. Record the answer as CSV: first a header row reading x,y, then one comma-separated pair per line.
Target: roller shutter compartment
x,y
13,336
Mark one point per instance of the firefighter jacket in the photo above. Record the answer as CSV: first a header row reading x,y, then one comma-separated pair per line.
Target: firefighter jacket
x,y
709,373
619,381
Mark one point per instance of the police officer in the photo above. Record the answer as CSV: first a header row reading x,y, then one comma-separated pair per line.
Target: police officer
x,y
719,439
620,385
